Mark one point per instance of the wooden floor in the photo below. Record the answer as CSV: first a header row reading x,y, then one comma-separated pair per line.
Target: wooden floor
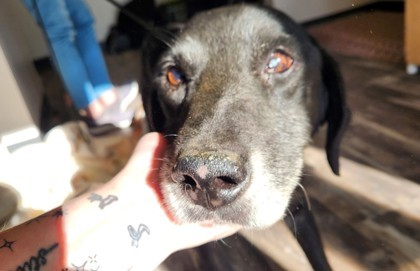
x,y
369,220
385,128
370,216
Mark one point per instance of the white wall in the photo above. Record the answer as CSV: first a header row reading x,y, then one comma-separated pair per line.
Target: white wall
x,y
305,10
105,15
20,87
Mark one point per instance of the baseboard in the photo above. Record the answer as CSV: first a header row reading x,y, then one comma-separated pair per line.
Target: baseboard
x,y
16,139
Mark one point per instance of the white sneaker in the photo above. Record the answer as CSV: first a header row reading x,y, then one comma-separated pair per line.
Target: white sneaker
x,y
127,94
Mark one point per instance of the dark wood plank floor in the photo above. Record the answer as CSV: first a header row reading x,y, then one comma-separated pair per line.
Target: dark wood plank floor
x,y
385,128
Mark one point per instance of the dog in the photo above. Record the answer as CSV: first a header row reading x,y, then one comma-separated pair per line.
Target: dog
x,y
238,92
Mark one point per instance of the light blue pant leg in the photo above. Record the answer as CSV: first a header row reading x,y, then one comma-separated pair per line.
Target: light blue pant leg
x,y
56,21
88,46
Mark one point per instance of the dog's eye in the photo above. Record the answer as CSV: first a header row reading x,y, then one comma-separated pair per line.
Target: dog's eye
x,y
279,62
174,77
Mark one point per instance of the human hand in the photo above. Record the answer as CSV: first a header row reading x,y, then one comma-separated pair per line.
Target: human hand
x,y
140,179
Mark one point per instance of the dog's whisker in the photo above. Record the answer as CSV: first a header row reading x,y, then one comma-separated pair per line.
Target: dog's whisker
x,y
159,33
4,226
170,135
224,243
160,159
163,160
306,196
186,187
293,220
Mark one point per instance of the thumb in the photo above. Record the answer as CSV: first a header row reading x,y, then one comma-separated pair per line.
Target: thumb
x,y
148,152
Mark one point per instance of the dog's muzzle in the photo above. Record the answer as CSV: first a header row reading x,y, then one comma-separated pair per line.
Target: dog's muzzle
x,y
210,178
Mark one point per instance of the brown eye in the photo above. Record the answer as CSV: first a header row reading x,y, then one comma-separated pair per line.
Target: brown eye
x,y
174,77
279,62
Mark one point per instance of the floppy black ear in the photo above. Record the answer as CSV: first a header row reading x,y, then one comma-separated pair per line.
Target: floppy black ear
x,y
337,115
151,49
154,45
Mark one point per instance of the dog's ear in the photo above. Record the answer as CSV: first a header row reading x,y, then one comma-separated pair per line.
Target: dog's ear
x,y
151,49
154,45
336,113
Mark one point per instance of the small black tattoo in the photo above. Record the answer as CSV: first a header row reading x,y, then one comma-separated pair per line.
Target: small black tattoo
x,y
89,265
36,219
36,262
136,234
7,244
58,213
103,202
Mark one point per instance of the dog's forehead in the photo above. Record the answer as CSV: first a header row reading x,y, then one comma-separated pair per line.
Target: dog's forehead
x,y
191,50
238,26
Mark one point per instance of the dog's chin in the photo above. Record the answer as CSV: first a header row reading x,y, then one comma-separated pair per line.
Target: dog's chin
x,y
246,211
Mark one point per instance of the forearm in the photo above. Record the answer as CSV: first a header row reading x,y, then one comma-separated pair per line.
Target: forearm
x,y
35,245
101,237
113,226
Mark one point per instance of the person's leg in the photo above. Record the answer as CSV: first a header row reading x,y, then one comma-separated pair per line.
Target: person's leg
x,y
94,61
87,45
54,18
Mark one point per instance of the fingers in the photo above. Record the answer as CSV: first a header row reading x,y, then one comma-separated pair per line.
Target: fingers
x,y
148,151
192,235
222,231
150,143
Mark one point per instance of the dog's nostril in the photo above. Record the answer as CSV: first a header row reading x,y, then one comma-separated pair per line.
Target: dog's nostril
x,y
189,182
221,182
224,182
210,179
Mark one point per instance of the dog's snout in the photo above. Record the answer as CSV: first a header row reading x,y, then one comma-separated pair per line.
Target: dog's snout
x,y
210,179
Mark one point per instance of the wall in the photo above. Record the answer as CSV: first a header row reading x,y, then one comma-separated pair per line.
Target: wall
x,y
20,86
105,14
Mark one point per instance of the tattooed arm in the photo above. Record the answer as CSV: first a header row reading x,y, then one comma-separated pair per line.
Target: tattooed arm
x,y
121,226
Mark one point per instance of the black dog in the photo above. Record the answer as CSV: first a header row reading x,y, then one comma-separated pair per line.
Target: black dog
x,y
238,92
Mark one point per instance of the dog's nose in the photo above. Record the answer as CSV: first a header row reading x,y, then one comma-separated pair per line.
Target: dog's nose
x,y
211,179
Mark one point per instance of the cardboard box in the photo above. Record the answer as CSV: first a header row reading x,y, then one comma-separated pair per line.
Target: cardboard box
x,y
412,32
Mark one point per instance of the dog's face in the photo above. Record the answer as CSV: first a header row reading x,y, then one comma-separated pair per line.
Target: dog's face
x,y
237,95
